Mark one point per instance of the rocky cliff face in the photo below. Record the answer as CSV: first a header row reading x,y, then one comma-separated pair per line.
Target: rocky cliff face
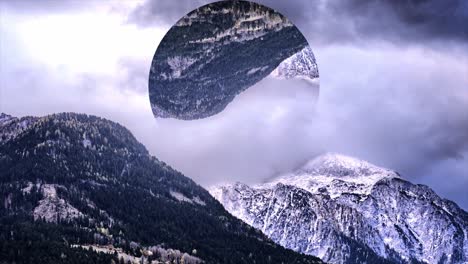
x,y
370,213
216,52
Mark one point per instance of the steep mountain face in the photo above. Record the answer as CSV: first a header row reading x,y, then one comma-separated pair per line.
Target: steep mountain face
x,y
214,53
72,182
300,65
369,213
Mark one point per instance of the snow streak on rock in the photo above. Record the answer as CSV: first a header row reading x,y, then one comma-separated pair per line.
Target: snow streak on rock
x,y
53,208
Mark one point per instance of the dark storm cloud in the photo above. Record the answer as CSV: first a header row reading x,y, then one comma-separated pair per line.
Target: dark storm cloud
x,y
46,6
153,13
341,21
414,19
166,12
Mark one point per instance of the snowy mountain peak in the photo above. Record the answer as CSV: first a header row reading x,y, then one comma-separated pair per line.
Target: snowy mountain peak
x,y
335,174
370,213
333,164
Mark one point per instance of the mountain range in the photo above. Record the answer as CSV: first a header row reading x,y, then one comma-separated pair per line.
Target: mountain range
x,y
81,189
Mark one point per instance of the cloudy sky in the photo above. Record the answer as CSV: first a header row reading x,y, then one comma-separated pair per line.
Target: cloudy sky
x,y
393,86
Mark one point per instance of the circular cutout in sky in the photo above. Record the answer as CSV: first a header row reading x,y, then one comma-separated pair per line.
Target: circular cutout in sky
x,y
219,50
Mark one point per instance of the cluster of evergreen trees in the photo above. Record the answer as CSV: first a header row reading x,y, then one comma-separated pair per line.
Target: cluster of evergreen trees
x,y
23,240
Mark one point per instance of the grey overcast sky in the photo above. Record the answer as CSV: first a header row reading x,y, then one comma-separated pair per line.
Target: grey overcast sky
x,y
393,86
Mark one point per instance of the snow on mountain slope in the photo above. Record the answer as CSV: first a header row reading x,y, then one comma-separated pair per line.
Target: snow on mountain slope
x,y
53,208
10,128
300,65
370,213
336,174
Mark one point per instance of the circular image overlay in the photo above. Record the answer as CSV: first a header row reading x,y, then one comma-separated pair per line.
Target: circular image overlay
x,y
221,49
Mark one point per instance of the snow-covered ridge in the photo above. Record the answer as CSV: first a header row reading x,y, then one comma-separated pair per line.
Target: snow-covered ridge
x,y
335,174
248,25
331,162
11,127
5,119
